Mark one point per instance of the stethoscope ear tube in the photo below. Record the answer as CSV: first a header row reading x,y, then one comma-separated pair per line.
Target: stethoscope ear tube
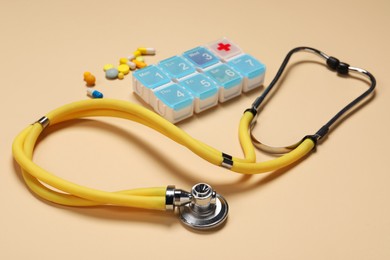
x,y
333,64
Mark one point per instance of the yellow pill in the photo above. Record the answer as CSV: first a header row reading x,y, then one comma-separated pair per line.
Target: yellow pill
x,y
140,58
123,60
147,51
120,75
107,67
124,68
137,53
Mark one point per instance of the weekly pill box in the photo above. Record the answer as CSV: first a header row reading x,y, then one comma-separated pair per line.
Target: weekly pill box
x,y
197,79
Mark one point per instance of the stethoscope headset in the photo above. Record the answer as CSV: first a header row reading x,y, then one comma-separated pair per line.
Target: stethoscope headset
x,y
202,207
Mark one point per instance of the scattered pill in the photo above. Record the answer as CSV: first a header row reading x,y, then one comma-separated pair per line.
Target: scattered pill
x,y
93,93
89,79
140,58
147,51
132,62
131,65
131,57
107,67
112,73
124,69
123,60
139,64
136,53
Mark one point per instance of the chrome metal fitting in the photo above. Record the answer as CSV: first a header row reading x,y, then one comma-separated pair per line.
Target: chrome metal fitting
x,y
44,121
201,209
176,197
227,161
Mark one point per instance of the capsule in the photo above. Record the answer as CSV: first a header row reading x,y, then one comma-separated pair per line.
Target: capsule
x,y
147,51
131,65
93,93
139,64
133,56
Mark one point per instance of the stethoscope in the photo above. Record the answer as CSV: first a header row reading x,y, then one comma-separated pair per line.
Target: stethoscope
x,y
200,208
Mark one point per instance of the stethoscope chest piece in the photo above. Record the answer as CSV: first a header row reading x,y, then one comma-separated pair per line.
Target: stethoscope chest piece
x,y
206,210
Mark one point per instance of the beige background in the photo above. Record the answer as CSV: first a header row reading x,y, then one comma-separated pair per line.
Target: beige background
x,y
333,205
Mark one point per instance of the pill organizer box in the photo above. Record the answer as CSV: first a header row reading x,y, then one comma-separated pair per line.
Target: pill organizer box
x,y
198,79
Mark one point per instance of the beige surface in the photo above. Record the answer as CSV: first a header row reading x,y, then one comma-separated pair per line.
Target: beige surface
x,y
333,205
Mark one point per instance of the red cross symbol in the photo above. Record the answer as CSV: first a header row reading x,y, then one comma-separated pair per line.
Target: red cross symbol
x,y
223,47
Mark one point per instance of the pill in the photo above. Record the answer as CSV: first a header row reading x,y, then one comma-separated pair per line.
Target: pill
x,y
139,64
140,58
112,73
124,69
89,79
120,75
123,60
107,67
147,51
132,56
136,53
131,65
93,93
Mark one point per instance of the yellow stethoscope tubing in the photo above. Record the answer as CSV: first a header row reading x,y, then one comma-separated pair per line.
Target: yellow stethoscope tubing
x,y
76,195
150,198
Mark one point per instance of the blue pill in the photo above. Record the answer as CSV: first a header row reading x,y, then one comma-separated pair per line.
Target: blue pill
x,y
93,93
